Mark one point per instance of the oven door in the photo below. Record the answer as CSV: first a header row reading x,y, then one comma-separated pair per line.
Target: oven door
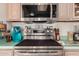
x,y
39,51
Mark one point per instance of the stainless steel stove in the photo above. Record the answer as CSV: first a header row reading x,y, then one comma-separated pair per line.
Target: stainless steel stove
x,y
38,48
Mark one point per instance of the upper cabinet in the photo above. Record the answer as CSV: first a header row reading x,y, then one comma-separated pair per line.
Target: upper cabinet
x,y
65,11
14,12
17,11
3,11
76,10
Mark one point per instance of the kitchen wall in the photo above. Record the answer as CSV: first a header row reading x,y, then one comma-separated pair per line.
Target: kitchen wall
x,y
66,27
63,26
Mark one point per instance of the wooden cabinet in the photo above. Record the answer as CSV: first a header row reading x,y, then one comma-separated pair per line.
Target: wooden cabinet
x,y
3,11
14,11
76,10
65,11
6,52
71,52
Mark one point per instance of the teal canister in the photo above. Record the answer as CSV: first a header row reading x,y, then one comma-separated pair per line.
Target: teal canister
x,y
16,34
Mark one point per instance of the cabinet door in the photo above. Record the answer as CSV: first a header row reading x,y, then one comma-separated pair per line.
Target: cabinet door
x,y
76,11
65,11
72,52
14,11
3,11
6,52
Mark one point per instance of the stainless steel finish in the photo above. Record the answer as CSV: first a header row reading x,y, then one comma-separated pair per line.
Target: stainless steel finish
x,y
49,20
42,32
38,51
39,37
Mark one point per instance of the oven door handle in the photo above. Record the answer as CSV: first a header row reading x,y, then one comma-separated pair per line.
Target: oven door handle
x,y
37,52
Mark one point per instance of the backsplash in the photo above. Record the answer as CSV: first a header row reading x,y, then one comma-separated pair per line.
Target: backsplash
x,y
64,27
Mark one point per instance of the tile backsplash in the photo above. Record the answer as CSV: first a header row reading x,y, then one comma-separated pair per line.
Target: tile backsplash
x,y
66,27
63,26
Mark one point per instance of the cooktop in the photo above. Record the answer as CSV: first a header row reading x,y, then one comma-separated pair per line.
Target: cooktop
x,y
31,42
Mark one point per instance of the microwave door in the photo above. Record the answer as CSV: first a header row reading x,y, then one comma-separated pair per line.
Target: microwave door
x,y
36,11
29,10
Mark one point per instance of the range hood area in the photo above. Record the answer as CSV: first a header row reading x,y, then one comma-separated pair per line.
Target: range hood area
x,y
39,20
39,13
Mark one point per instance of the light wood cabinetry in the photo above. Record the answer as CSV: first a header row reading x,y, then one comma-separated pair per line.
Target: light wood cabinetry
x,y
14,12
6,52
71,52
65,11
76,10
3,11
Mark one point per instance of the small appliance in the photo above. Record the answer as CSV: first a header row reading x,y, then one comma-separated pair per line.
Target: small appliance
x,y
76,36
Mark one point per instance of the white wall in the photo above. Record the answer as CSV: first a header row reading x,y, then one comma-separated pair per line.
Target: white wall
x,y
66,27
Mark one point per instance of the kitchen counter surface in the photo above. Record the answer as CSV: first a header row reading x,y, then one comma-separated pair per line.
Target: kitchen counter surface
x,y
4,44
69,44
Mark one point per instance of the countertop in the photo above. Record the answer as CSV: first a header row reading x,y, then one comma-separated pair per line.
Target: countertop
x,y
4,44
69,44
66,44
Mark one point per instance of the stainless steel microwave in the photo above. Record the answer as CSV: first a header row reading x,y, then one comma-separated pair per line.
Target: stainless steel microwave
x,y
39,10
